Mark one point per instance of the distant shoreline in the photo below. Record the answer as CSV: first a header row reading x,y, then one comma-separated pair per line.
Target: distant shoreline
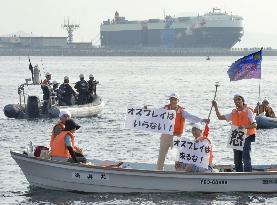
x,y
130,52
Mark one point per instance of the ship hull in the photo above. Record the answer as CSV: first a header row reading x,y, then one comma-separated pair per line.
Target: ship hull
x,y
212,37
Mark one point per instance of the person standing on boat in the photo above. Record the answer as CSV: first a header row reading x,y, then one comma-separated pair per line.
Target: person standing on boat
x,y
46,89
198,136
265,109
64,115
82,88
243,117
91,87
47,80
63,146
66,93
166,140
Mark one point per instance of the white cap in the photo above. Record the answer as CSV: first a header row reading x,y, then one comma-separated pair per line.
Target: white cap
x,y
174,95
90,76
54,82
81,75
47,74
197,125
66,78
64,112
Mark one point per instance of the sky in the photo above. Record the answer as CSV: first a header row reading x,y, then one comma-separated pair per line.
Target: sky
x,y
45,17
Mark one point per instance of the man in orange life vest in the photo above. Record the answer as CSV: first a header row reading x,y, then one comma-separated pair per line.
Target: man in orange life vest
x,y
243,117
64,115
63,146
166,140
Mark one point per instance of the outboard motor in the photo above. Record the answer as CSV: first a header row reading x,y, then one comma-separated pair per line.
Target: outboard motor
x,y
33,106
13,110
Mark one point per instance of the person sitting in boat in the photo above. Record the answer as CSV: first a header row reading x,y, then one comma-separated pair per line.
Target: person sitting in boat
x,y
188,167
82,88
63,146
46,89
64,115
91,87
66,93
264,109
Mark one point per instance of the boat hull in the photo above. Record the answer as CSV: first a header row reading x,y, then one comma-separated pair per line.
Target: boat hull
x,y
87,178
87,110
264,122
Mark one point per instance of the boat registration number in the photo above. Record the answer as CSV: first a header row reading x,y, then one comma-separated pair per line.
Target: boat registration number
x,y
90,176
270,181
213,181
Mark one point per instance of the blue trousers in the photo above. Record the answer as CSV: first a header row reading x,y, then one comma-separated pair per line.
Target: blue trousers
x,y
243,157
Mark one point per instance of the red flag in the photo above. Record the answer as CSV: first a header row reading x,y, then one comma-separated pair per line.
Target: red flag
x,y
206,130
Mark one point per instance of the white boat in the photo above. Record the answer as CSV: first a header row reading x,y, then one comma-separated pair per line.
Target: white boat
x,y
141,177
87,110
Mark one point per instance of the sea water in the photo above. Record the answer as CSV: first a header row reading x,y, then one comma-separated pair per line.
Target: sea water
x,y
136,81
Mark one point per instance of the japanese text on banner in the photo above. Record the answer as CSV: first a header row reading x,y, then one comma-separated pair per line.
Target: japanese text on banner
x,y
236,138
192,152
153,120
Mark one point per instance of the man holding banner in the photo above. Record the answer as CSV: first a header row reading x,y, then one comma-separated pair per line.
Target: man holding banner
x,y
243,120
166,140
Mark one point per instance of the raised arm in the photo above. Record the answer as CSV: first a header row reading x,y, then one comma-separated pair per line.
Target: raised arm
x,y
219,116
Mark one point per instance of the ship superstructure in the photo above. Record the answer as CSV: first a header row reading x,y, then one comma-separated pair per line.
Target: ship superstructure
x,y
211,30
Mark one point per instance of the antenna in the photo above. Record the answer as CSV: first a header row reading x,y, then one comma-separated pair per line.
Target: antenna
x,y
70,28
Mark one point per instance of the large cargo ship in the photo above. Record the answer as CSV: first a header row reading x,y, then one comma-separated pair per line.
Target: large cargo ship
x,y
211,30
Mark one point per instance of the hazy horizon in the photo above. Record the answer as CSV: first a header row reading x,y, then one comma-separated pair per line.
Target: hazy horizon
x,y
44,18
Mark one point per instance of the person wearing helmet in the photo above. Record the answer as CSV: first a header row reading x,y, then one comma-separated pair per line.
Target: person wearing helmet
x,y
47,80
47,90
66,93
91,87
82,88
55,92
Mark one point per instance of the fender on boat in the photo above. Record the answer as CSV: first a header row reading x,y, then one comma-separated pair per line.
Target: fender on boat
x,y
13,110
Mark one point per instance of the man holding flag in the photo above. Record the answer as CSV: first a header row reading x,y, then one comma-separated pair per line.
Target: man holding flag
x,y
248,67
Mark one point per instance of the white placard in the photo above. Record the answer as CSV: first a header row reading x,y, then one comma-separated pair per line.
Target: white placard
x,y
191,152
236,138
153,120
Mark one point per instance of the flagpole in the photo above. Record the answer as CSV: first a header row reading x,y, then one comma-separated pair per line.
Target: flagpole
x,y
206,129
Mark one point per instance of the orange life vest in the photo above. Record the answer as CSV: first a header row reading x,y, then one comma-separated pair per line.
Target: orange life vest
x,y
241,119
61,125
211,152
59,147
179,120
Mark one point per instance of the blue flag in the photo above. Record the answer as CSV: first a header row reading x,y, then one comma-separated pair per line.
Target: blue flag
x,y
247,67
